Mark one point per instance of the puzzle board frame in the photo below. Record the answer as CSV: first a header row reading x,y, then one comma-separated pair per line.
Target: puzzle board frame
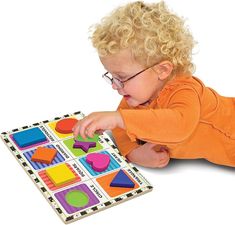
x,y
105,201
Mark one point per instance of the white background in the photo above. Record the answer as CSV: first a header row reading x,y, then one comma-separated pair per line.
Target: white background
x,y
48,68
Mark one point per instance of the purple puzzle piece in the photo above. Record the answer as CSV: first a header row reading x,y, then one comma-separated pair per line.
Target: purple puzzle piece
x,y
84,145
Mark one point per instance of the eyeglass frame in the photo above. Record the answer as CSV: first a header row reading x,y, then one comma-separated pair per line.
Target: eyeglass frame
x,y
111,79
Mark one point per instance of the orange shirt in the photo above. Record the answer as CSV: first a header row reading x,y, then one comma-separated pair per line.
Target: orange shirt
x,y
192,120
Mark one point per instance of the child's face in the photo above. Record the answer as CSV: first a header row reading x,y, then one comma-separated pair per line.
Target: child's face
x,y
138,90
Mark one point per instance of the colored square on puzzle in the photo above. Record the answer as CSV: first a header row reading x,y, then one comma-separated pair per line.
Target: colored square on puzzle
x,y
70,208
52,126
112,165
105,182
37,165
44,155
60,174
51,185
29,137
79,152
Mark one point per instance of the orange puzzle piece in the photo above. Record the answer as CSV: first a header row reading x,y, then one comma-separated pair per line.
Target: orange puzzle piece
x,y
44,155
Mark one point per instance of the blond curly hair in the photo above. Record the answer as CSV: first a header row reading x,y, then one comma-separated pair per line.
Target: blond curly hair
x,y
150,31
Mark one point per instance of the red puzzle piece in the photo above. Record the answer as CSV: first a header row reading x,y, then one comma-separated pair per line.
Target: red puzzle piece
x,y
65,126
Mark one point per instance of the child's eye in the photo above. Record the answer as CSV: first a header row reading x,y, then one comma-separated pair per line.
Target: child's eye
x,y
119,77
116,76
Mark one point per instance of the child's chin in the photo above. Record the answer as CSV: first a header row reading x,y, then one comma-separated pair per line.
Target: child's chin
x,y
133,103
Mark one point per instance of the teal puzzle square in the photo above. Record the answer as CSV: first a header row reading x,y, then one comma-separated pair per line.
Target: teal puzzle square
x,y
112,165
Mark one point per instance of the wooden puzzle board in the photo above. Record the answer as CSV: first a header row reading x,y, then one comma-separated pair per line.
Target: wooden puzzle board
x,y
95,185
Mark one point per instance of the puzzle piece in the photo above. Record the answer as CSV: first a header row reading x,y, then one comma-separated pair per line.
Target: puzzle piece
x,y
122,180
44,155
77,198
60,174
99,162
71,200
65,126
51,185
84,145
29,137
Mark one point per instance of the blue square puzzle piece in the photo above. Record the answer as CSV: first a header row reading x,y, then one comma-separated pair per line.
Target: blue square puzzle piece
x,y
29,137
122,180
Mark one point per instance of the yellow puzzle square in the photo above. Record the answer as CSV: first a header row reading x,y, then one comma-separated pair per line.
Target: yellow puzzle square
x,y
60,174
52,125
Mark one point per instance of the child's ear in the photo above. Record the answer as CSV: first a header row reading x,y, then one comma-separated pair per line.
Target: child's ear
x,y
164,69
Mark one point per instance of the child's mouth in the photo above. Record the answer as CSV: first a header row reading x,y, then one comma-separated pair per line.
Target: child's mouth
x,y
126,96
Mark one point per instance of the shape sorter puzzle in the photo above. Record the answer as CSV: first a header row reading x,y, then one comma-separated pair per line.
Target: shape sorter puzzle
x,y
76,181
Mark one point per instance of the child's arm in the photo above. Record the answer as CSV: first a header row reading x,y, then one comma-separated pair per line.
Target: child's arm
x,y
169,125
125,145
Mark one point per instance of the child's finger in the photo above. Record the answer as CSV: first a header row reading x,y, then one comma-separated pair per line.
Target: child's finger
x,y
76,130
91,130
83,128
82,132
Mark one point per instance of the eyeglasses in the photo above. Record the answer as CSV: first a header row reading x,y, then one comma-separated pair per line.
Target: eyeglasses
x,y
120,84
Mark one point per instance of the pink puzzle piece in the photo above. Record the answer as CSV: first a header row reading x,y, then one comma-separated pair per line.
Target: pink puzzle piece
x,y
99,162
84,145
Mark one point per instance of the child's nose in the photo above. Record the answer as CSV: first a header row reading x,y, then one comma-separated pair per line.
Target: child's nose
x,y
114,86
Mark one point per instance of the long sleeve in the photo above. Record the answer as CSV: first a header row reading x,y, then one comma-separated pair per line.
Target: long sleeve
x,y
125,145
169,125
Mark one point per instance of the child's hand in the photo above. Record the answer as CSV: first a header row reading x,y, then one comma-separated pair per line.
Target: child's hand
x,y
98,121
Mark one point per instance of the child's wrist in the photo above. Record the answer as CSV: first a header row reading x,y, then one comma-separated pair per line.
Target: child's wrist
x,y
120,121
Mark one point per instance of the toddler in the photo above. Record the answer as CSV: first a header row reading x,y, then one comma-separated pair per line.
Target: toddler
x,y
165,112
